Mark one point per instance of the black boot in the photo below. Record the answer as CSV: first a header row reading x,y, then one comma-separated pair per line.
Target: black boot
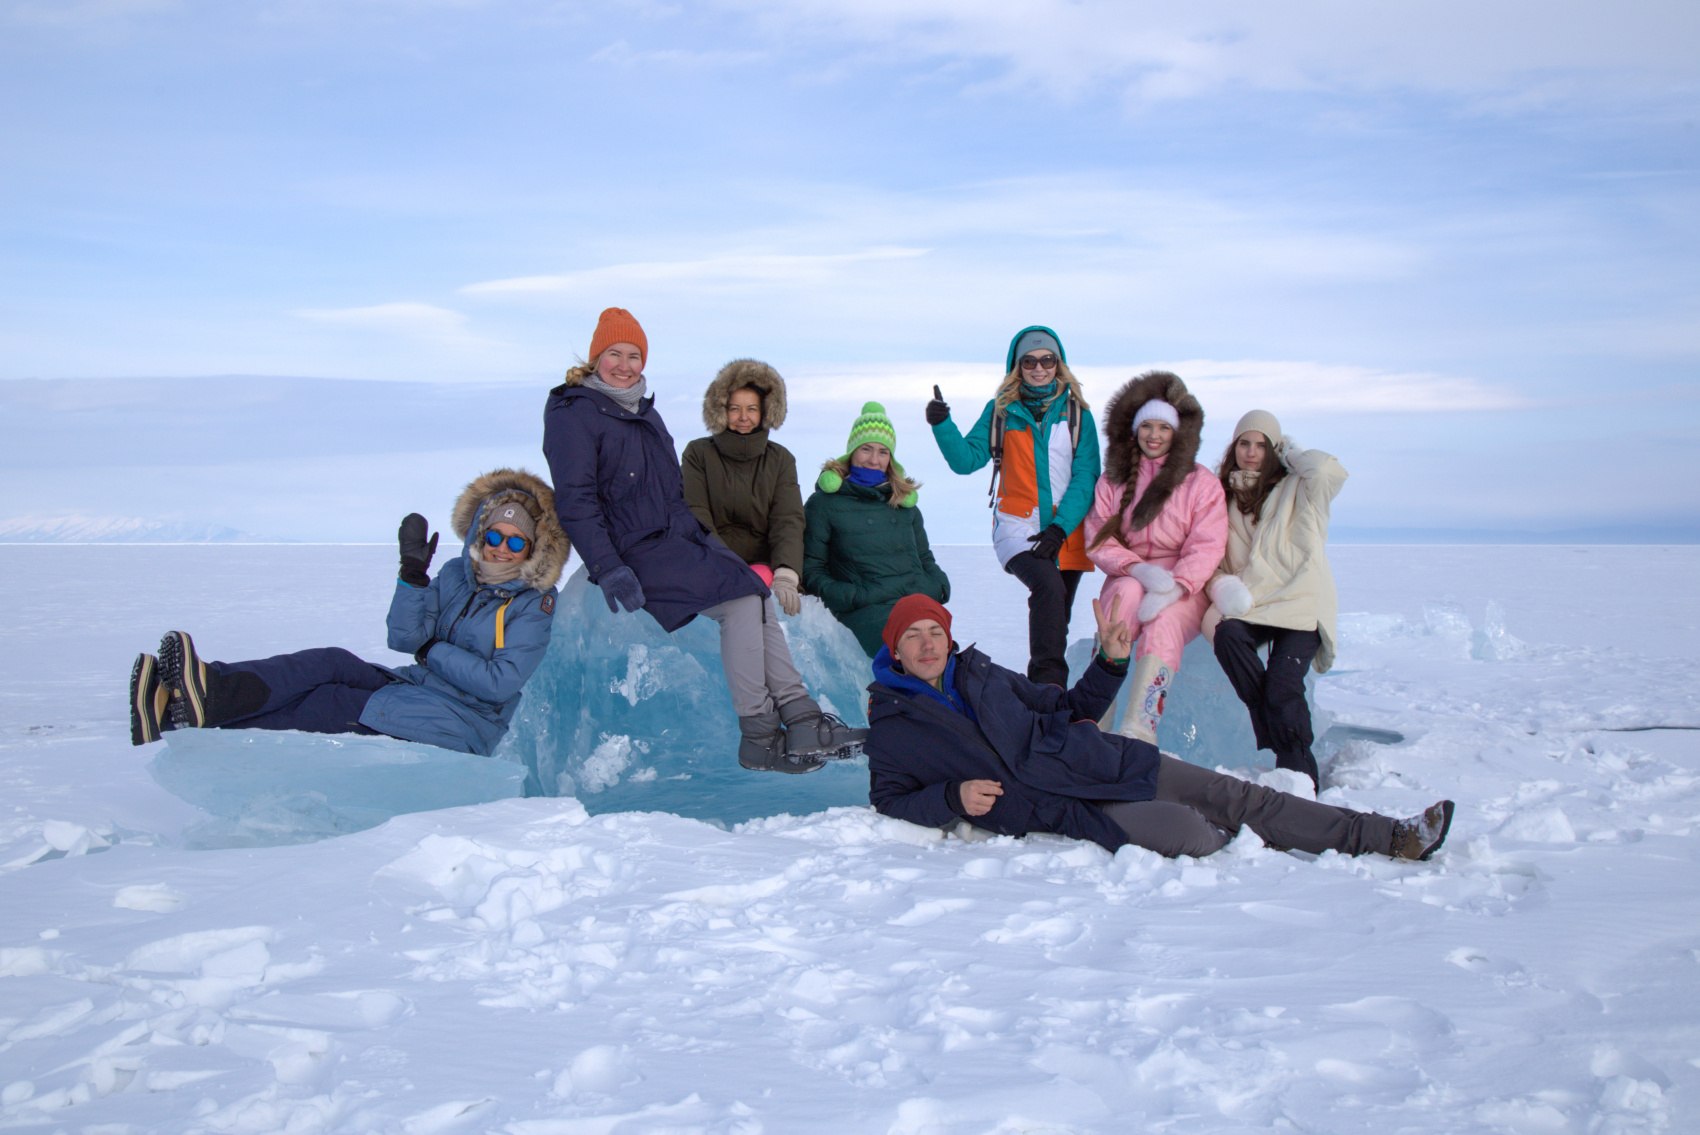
x,y
202,697
811,733
150,701
761,746
1299,759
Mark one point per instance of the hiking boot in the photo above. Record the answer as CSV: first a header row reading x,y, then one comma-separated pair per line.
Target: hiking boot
x,y
202,697
150,701
1421,836
809,732
761,746
183,673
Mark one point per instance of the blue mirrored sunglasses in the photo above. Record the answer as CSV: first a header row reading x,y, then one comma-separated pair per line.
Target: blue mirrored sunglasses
x,y
515,543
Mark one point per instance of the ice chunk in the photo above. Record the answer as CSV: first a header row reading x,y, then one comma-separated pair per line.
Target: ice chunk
x,y
1204,721
627,717
266,788
1492,642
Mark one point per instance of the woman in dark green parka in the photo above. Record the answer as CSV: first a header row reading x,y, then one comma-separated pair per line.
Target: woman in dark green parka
x,y
864,546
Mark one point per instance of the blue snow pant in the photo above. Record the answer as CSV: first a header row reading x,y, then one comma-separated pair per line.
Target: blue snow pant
x,y
323,690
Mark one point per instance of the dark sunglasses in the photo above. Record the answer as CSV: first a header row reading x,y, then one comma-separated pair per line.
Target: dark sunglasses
x,y
495,539
1038,362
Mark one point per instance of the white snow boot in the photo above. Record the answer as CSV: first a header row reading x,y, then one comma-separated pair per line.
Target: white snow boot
x,y
1148,687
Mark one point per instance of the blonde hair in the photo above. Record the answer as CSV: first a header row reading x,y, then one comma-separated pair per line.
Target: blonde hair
x,y
1010,388
902,488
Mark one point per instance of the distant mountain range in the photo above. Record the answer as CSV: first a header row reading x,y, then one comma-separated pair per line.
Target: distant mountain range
x,y
115,530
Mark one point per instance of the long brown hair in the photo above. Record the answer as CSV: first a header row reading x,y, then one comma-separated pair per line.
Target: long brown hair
x,y
1121,457
1269,474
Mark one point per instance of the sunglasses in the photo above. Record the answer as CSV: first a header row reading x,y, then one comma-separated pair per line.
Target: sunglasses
x,y
495,539
1038,362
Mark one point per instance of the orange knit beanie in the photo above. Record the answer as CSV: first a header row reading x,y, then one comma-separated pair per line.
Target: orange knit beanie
x,y
617,325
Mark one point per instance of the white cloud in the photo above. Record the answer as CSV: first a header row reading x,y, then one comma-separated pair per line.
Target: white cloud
x,y
1310,387
408,320
1158,51
766,269
622,54
1294,386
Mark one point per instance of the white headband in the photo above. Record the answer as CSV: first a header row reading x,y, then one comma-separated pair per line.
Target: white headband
x,y
1160,410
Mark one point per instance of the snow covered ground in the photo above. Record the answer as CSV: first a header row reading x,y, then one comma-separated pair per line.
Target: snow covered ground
x,y
524,967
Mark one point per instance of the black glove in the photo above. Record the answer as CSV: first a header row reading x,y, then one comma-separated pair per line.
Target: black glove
x,y
419,655
621,588
937,411
416,550
1048,543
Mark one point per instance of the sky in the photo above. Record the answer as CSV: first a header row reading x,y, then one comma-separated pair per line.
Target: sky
x,y
1457,244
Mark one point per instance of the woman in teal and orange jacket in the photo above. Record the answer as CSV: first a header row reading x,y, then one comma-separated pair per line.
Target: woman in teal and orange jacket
x,y
1038,432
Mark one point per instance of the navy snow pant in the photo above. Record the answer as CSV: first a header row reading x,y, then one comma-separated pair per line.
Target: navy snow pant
x,y
1050,604
323,690
1274,693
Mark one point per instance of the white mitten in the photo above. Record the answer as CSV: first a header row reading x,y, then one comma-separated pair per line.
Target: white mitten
x,y
1231,596
1286,449
1153,578
785,590
1155,601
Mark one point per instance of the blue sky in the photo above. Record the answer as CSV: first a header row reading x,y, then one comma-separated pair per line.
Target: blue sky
x,y
1456,243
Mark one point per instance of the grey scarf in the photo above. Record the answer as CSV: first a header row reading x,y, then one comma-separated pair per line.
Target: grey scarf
x,y
628,398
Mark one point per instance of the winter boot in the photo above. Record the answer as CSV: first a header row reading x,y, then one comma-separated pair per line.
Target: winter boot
x,y
150,701
201,697
1421,836
761,746
1149,687
812,733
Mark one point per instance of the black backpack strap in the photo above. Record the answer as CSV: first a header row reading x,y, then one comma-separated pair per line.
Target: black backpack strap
x,y
995,444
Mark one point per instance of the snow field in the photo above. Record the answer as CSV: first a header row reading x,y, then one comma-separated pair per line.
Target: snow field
x,y
522,966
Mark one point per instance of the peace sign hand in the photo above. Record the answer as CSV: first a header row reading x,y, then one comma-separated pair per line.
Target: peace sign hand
x,y
1115,638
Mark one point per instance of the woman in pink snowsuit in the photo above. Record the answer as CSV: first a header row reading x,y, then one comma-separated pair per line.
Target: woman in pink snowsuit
x,y
1157,529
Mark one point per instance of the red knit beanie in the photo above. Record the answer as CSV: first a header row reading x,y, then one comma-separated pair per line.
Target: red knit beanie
x,y
617,325
909,610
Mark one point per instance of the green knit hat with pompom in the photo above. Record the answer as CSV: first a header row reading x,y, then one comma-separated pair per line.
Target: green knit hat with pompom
x,y
871,425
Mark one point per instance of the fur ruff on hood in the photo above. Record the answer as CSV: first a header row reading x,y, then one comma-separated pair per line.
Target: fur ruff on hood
x,y
736,375
1121,458
549,551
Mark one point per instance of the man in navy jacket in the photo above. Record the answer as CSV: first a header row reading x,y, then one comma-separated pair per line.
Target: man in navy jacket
x,y
954,736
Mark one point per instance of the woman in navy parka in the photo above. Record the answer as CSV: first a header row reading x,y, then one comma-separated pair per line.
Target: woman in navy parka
x,y
477,632
620,497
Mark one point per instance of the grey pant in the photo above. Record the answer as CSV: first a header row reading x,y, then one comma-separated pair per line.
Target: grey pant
x,y
1197,811
758,664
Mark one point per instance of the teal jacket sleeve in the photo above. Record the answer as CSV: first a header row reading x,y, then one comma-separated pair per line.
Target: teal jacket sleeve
x,y
966,454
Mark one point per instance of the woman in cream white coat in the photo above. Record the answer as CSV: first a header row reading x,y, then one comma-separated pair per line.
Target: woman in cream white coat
x,y
1275,587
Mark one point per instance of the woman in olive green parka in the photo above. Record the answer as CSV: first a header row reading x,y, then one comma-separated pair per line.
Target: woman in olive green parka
x,y
741,483
864,546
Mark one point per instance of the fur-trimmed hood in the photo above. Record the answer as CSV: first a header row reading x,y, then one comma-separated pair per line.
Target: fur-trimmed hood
x,y
549,552
736,375
1121,457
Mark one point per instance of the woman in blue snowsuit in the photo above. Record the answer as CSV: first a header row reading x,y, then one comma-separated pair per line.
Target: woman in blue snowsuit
x,y
477,632
1039,433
